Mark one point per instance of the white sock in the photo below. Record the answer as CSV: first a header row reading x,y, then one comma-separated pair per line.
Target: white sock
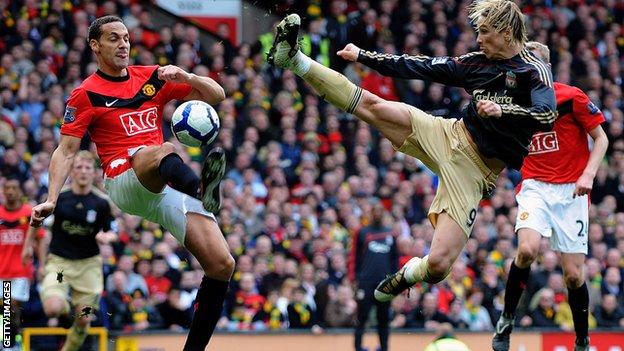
x,y
300,64
415,269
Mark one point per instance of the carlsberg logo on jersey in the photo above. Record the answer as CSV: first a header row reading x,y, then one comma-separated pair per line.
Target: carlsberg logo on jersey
x,y
481,94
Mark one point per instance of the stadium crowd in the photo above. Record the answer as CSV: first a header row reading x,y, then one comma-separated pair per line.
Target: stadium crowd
x,y
303,177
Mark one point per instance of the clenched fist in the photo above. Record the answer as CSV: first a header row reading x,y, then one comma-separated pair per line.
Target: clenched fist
x,y
171,73
349,53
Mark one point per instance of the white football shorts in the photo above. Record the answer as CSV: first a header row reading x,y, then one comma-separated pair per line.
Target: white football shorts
x,y
20,288
167,208
550,210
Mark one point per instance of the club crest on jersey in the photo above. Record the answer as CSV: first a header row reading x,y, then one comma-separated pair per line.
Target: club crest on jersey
x,y
148,90
91,215
524,216
510,80
70,114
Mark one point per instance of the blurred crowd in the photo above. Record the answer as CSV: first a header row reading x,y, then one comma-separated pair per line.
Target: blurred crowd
x,y
303,176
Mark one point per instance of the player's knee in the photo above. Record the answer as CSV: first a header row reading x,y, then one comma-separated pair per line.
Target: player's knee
x,y
83,322
372,103
573,278
526,254
220,268
52,307
166,149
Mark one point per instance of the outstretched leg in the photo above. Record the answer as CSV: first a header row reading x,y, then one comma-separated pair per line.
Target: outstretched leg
x,y
392,119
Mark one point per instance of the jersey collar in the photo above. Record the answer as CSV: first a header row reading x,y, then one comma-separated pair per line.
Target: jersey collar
x,y
113,78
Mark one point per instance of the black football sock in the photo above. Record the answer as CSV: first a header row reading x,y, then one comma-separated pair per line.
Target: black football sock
x,y
178,175
209,303
516,283
579,304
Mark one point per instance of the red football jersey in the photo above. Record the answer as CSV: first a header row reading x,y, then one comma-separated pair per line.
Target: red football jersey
x,y
13,229
560,156
120,113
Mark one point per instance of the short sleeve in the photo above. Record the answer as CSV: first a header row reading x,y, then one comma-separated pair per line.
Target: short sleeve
x,y
78,114
586,112
175,91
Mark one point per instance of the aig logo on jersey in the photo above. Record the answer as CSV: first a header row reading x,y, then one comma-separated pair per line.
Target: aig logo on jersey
x,y
544,142
139,122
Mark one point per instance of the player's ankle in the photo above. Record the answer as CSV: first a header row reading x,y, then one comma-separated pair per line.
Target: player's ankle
x,y
415,270
300,64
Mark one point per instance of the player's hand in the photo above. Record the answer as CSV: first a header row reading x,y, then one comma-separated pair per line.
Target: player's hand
x,y
583,185
40,212
349,53
487,109
171,73
27,254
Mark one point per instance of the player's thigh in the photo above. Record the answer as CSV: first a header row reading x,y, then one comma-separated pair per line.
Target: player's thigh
x,y
528,245
206,242
391,118
86,281
533,209
448,241
54,286
570,225
145,163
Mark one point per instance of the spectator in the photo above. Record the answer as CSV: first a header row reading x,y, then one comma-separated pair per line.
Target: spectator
x,y
427,316
300,314
543,315
341,308
174,314
610,314
134,281
474,314
141,314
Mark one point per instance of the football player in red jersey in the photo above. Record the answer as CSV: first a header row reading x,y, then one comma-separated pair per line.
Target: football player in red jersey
x,y
120,106
14,216
557,174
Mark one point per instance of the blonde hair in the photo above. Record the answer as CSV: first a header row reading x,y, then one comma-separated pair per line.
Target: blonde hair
x,y
542,50
85,155
499,15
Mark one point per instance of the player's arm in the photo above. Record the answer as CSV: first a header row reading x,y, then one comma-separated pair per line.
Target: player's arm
x,y
588,115
435,69
28,249
204,88
108,233
586,181
60,164
543,109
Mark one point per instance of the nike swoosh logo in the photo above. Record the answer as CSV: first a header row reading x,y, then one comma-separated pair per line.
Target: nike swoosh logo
x,y
109,104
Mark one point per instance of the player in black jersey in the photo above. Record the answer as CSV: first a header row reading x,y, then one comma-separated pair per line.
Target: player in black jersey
x,y
512,98
82,218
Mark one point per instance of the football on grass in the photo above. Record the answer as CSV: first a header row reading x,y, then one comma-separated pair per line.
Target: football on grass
x,y
195,123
